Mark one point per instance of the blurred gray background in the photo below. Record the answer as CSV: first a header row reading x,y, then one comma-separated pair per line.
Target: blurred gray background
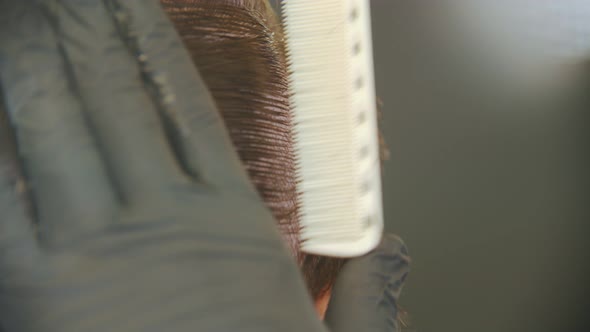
x,y
486,117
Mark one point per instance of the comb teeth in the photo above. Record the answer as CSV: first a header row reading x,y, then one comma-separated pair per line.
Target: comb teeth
x,y
336,141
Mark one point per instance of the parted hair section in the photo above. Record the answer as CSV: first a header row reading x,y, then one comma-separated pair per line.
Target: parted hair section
x,y
239,50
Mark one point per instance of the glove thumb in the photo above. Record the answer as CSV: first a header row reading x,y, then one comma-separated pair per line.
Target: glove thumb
x,y
364,297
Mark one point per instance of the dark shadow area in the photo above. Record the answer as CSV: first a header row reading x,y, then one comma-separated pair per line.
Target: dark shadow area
x,y
486,115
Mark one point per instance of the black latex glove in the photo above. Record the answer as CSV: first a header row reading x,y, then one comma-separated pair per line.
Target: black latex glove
x,y
143,218
364,297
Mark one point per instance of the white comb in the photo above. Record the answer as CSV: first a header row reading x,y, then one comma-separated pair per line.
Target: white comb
x,y
333,96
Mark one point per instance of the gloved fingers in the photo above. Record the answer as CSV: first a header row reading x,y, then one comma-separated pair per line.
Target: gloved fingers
x,y
63,168
203,141
121,96
364,297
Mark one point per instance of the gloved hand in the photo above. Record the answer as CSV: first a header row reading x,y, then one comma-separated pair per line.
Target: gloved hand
x,y
364,297
142,217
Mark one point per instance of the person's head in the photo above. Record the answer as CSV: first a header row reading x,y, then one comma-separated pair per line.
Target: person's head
x,y
238,48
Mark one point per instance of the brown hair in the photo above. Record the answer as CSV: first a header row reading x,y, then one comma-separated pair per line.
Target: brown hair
x,y
238,48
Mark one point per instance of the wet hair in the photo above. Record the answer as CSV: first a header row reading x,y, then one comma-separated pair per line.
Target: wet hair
x,y
238,48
